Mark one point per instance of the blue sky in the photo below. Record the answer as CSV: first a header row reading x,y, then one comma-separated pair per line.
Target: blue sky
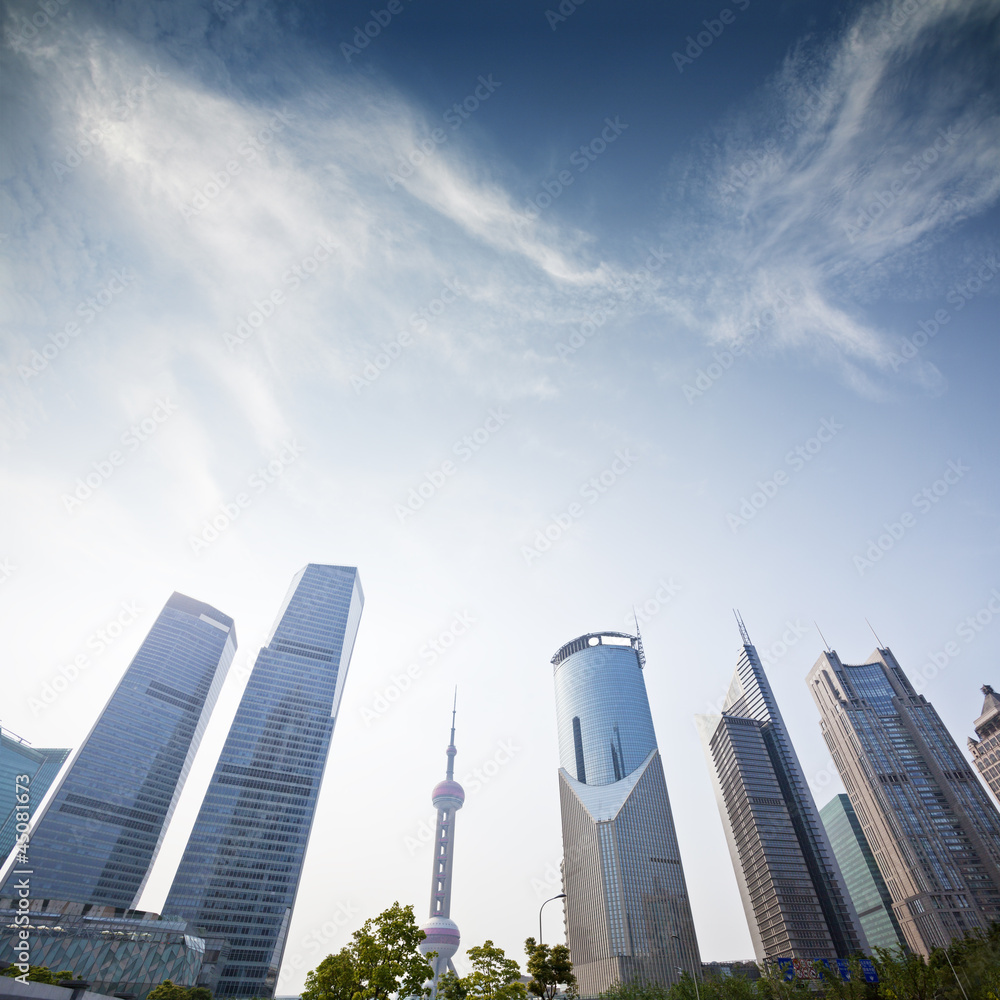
x,y
621,329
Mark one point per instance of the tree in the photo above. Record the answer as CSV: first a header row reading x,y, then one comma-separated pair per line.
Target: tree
x,y
494,976
549,969
39,974
383,960
168,990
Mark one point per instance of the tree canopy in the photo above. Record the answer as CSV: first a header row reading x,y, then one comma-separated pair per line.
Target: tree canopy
x,y
494,976
549,968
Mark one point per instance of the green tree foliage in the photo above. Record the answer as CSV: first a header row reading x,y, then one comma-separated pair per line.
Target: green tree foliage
x,y
383,960
494,976
39,974
549,969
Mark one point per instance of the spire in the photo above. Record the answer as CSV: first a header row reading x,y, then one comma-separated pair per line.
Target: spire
x,y
823,637
638,640
874,633
451,751
743,629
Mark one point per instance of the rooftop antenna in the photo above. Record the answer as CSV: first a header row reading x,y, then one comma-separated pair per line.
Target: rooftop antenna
x,y
638,640
451,743
874,633
823,637
743,629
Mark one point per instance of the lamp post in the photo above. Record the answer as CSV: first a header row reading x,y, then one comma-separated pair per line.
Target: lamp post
x,y
561,895
694,978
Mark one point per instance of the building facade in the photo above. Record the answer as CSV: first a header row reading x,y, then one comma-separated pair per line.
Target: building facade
x,y
931,825
986,750
864,881
97,839
628,918
791,888
39,766
240,871
115,951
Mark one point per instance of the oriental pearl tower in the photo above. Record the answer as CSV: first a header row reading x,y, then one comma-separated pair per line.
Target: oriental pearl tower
x,y
442,932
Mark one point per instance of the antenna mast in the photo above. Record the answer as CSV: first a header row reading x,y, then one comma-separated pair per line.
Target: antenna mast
x,y
743,629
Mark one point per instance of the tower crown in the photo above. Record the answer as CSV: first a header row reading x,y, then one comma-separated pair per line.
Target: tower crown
x,y
448,795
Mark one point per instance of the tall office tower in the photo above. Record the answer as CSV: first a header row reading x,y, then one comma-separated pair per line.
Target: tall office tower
x,y
931,825
867,888
986,750
99,836
442,932
628,918
792,892
18,757
240,871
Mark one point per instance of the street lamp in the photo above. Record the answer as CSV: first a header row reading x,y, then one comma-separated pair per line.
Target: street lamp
x,y
697,994
561,895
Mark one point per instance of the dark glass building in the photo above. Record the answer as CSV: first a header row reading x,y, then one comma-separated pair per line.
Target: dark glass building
x,y
240,872
864,881
101,832
20,758
628,916
795,902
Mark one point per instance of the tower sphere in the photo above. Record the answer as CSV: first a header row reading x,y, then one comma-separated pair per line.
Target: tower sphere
x,y
448,794
442,937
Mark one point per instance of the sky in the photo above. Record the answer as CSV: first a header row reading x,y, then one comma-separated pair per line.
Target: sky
x,y
535,313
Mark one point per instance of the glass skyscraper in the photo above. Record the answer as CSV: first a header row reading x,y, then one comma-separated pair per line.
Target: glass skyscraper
x,y
795,902
41,767
864,881
931,825
101,832
240,872
628,918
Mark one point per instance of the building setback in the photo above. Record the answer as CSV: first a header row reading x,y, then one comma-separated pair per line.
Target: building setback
x,y
986,750
240,872
931,825
628,918
793,895
39,766
864,881
97,840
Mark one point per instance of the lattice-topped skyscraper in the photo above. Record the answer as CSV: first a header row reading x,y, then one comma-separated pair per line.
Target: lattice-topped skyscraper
x,y
442,932
986,750
628,917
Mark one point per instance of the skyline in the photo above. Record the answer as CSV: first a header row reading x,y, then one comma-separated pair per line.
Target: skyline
x,y
629,332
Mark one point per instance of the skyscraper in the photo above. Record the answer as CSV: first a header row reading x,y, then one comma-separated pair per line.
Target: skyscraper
x,y
792,892
864,881
442,932
986,750
100,834
240,872
931,825
41,767
628,918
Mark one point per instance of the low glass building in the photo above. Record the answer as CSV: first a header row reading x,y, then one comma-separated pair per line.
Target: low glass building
x,y
115,950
